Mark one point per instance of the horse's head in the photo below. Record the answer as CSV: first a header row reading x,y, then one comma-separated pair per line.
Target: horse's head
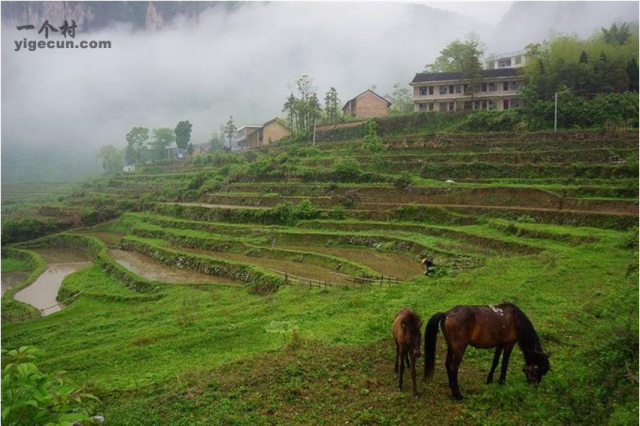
x,y
537,368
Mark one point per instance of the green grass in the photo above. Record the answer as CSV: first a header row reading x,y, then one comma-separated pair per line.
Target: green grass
x,y
12,264
216,354
137,357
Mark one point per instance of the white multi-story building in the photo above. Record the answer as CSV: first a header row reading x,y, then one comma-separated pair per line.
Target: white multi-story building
x,y
449,91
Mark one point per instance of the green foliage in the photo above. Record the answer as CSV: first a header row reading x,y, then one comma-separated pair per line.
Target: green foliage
x,y
137,142
402,101
404,181
332,106
163,137
32,397
346,170
230,131
303,107
371,142
112,159
183,134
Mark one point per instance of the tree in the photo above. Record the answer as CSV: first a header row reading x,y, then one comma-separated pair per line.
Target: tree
x,y
162,140
137,141
584,59
190,149
216,142
402,101
632,73
112,158
463,57
616,35
332,106
230,130
303,106
183,134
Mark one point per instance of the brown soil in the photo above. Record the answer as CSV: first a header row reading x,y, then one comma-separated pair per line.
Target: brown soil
x,y
299,269
389,264
148,268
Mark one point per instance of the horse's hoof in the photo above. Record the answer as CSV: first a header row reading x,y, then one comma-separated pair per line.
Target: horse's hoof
x,y
458,397
501,382
399,389
489,381
415,396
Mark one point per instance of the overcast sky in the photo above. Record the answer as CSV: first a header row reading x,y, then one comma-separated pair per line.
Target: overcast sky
x,y
241,64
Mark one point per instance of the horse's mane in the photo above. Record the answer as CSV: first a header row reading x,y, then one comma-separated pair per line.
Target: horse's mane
x,y
529,340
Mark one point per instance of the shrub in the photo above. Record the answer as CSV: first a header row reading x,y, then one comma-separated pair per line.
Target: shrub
x,y
32,397
346,170
403,181
371,141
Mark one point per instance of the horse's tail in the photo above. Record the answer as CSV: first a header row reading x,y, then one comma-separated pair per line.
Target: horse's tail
x,y
430,339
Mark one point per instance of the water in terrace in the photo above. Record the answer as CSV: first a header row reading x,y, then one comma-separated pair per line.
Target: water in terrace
x,y
148,268
9,279
43,292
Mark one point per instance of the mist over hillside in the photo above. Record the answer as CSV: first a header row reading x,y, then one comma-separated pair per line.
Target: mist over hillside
x,y
203,62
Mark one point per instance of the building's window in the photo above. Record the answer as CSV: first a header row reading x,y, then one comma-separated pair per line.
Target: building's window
x,y
451,89
443,90
443,106
493,87
492,105
423,91
467,106
466,88
476,105
459,88
505,104
477,87
423,107
515,85
430,107
484,87
518,59
515,103
484,104
452,106
431,90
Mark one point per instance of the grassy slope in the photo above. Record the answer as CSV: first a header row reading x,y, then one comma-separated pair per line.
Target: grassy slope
x,y
206,354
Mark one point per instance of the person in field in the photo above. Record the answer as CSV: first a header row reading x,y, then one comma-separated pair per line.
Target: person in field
x,y
428,264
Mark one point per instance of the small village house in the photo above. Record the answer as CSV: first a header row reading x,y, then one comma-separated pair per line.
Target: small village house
x,y
243,133
269,132
448,91
367,104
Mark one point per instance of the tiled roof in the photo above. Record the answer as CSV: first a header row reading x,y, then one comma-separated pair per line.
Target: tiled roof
x,y
445,76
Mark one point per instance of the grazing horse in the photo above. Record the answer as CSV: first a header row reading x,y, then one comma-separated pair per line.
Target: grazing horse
x,y
407,334
494,326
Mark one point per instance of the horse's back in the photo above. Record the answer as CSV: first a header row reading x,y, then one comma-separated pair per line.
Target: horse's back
x,y
482,326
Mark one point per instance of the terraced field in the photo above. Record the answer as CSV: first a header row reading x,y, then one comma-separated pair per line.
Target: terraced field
x,y
259,287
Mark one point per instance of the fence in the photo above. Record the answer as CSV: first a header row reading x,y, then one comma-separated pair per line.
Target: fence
x,y
23,316
353,281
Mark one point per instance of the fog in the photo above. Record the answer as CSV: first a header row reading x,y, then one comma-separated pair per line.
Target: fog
x,y
239,63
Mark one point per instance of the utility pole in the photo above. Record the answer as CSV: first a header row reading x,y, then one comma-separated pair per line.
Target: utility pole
x,y
314,131
555,118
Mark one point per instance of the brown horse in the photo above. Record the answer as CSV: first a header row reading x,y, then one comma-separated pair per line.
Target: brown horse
x,y
494,326
407,334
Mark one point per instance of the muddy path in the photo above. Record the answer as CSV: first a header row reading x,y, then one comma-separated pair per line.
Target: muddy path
x,y
43,292
148,268
389,264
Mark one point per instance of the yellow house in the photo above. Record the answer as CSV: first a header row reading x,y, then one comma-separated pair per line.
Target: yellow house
x,y
271,131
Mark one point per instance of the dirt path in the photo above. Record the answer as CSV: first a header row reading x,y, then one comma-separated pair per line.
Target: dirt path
x,y
148,268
